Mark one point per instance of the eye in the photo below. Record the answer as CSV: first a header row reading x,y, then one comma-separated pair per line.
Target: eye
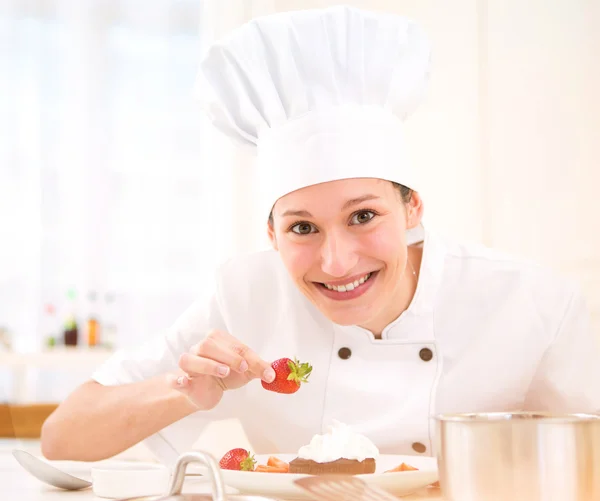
x,y
303,228
362,217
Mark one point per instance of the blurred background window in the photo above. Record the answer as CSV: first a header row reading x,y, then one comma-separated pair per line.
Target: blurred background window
x,y
107,212
104,204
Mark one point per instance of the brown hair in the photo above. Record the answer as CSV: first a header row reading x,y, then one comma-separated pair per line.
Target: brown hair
x,y
405,195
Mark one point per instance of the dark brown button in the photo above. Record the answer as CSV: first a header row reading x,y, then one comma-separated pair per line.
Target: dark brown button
x,y
419,447
426,354
344,353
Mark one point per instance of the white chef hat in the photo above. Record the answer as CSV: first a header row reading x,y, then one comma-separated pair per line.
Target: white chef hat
x,y
319,94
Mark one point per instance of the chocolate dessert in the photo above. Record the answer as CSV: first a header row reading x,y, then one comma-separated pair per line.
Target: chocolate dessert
x,y
339,466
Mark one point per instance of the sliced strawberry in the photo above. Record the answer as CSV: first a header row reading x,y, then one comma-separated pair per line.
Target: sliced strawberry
x,y
289,375
277,463
402,467
270,469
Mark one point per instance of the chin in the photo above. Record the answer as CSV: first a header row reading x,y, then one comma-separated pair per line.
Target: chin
x,y
346,318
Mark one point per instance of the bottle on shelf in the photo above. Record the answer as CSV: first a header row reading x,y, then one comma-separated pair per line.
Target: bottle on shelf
x,y
70,333
93,325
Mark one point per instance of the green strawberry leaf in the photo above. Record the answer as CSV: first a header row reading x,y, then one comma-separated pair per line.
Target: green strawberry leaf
x,y
299,372
248,464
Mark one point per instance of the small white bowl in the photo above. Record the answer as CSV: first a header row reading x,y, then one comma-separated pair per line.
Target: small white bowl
x,y
127,481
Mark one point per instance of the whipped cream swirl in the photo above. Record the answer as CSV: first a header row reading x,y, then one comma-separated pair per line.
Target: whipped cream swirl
x,y
339,442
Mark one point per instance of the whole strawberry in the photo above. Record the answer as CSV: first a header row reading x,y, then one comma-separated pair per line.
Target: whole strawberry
x,y
237,459
289,375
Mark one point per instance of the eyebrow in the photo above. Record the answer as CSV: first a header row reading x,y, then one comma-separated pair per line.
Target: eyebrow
x,y
347,205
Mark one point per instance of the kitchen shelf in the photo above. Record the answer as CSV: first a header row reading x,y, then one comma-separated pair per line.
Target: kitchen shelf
x,y
58,359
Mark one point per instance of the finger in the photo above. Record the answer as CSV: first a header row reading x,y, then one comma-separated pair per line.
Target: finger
x,y
195,365
256,365
222,351
217,341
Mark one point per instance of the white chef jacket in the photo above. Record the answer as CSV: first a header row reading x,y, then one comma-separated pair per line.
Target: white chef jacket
x,y
484,332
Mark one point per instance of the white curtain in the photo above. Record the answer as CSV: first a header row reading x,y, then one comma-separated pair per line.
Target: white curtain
x,y
110,181
112,185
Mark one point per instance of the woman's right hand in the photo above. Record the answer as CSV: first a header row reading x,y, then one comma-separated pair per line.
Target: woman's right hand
x,y
219,362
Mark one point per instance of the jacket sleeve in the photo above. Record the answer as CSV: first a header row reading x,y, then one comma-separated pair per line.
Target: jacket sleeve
x,y
160,355
568,378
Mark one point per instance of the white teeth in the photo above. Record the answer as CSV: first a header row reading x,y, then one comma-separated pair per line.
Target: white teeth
x,y
348,287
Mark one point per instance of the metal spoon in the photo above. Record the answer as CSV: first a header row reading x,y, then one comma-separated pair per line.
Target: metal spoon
x,y
48,473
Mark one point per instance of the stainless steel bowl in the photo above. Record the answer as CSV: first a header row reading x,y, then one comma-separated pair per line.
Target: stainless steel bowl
x,y
520,456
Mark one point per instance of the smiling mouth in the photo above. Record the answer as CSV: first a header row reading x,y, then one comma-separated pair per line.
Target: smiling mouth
x,y
350,286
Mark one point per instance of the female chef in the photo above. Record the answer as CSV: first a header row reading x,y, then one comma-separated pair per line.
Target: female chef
x,y
397,323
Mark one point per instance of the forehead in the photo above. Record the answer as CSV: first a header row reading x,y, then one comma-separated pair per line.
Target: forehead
x,y
340,190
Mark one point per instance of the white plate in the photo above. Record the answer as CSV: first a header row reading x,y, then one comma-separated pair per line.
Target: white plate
x,y
281,485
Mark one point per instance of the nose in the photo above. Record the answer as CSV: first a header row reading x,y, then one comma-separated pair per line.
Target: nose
x,y
338,255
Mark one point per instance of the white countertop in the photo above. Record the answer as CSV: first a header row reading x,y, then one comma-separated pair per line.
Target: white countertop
x,y
21,485
17,484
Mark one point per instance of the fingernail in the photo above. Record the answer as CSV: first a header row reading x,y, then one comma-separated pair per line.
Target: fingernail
x,y
223,370
180,380
244,366
269,375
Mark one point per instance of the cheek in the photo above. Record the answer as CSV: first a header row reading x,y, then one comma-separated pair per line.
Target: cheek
x,y
297,258
386,244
